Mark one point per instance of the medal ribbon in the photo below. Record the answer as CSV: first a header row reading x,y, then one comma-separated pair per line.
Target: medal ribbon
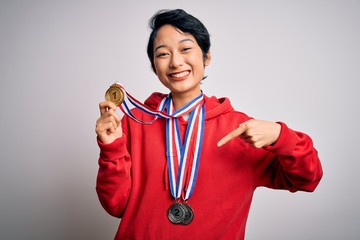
x,y
183,185
183,170
130,101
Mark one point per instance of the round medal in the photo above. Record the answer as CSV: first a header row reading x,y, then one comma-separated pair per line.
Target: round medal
x,y
189,215
177,213
114,94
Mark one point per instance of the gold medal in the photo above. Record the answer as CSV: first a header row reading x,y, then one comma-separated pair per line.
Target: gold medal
x,y
114,94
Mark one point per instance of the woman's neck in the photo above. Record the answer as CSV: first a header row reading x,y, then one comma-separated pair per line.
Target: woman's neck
x,y
180,100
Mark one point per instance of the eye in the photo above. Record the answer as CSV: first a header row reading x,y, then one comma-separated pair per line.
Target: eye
x,y
161,54
186,49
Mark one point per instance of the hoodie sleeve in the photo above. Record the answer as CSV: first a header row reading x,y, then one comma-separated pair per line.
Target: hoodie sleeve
x,y
292,163
113,183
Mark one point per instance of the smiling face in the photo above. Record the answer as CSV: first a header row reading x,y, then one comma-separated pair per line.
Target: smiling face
x,y
179,62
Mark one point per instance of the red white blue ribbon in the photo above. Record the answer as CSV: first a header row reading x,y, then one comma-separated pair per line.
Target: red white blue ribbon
x,y
183,164
188,165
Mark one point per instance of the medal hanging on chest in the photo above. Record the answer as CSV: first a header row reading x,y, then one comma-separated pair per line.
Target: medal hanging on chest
x,y
183,160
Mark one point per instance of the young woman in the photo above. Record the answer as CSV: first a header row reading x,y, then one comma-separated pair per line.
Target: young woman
x,y
192,175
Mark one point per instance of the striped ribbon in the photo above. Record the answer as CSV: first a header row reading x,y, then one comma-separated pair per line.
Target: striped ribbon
x,y
183,164
184,184
130,102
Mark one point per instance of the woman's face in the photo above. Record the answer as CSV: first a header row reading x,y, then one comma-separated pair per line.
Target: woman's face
x,y
179,62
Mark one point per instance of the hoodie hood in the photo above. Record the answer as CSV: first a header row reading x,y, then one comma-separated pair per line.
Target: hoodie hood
x,y
213,105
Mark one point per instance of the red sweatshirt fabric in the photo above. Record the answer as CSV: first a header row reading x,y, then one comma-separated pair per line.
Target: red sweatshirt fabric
x,y
132,182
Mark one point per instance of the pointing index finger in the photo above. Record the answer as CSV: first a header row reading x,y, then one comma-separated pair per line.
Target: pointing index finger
x,y
236,133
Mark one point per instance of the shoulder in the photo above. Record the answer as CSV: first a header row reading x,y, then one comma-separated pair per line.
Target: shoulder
x,y
221,107
154,100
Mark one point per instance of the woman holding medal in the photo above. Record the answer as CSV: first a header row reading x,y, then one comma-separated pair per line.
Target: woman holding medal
x,y
184,165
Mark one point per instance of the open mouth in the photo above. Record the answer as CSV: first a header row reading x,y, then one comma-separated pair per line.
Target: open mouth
x,y
179,75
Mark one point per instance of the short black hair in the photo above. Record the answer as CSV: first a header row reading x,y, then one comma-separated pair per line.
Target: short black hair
x,y
180,20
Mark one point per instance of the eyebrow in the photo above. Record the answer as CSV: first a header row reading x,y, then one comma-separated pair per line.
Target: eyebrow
x,y
181,41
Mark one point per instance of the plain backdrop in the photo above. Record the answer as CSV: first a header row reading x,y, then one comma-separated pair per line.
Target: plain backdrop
x,y
291,61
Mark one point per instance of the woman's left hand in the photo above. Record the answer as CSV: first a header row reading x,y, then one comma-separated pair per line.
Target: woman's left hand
x,y
258,133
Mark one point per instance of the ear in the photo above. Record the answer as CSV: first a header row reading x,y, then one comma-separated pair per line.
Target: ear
x,y
207,59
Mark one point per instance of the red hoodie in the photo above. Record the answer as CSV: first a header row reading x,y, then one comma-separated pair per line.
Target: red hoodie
x,y
132,181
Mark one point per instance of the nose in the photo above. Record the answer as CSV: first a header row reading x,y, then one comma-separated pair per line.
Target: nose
x,y
177,60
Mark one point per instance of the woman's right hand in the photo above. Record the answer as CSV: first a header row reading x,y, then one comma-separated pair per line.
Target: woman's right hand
x,y
108,126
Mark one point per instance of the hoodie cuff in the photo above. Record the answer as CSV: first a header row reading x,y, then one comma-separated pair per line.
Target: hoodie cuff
x,y
114,150
286,142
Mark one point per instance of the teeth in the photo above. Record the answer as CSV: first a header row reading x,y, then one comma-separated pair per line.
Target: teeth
x,y
181,74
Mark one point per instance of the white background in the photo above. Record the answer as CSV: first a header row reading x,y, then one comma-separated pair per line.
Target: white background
x,y
291,61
